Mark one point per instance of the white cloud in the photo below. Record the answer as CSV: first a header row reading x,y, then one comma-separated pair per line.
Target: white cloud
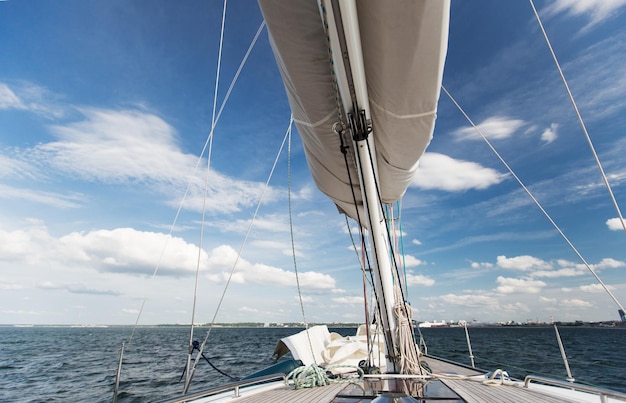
x,y
416,242
132,146
523,263
61,200
118,146
439,171
77,288
550,134
576,303
596,10
348,300
126,250
609,263
419,279
515,285
470,300
595,288
478,265
565,272
614,224
32,98
547,300
494,128
8,99
412,261
223,258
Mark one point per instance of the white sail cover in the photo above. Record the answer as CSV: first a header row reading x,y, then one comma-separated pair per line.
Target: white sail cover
x,y
404,44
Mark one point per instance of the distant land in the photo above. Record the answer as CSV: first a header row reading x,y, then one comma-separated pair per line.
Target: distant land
x,y
442,324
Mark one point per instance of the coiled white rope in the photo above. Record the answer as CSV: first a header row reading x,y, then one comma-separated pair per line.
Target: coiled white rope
x,y
408,357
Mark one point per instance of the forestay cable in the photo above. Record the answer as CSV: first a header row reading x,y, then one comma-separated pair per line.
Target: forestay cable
x,y
545,213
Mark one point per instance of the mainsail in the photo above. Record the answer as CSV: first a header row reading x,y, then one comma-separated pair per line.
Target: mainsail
x,y
403,45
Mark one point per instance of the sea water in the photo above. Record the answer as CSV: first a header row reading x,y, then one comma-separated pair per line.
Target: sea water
x,y
77,364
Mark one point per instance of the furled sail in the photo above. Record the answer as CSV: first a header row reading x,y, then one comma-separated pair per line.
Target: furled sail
x,y
404,43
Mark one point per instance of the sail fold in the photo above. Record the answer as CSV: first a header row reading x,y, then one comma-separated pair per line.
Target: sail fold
x,y
404,44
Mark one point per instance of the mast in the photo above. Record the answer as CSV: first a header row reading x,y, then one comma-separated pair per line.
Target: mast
x,y
351,80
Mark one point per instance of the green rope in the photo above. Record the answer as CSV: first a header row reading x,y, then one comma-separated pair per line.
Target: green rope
x,y
313,375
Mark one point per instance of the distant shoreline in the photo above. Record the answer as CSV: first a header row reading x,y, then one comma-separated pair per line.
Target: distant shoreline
x,y
254,325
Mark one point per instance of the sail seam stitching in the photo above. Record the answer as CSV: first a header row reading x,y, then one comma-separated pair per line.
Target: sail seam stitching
x,y
411,116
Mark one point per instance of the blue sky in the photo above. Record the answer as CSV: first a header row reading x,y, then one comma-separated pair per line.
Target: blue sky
x,y
105,106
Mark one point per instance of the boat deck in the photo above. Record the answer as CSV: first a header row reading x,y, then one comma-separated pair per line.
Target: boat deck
x,y
451,383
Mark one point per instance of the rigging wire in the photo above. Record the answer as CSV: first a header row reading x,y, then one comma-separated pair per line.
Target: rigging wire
x,y
580,119
545,213
293,246
204,196
243,244
409,356
193,175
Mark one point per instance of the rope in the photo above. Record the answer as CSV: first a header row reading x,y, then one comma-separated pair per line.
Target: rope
x,y
409,357
580,118
293,246
545,213
313,375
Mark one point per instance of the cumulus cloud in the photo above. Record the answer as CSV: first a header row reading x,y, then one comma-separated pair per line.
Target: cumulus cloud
x,y
348,300
547,300
576,303
412,261
517,285
439,171
223,258
595,288
419,279
550,134
523,263
479,265
126,250
609,263
494,128
614,224
565,272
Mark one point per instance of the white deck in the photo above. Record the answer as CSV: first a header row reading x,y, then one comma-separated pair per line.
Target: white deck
x,y
442,387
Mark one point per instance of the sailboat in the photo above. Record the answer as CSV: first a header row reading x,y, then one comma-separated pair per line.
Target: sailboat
x,y
363,79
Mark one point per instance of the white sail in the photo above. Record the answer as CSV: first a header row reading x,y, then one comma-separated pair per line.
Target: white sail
x,y
404,45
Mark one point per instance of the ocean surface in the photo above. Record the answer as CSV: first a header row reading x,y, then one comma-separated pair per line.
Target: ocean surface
x,y
79,364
